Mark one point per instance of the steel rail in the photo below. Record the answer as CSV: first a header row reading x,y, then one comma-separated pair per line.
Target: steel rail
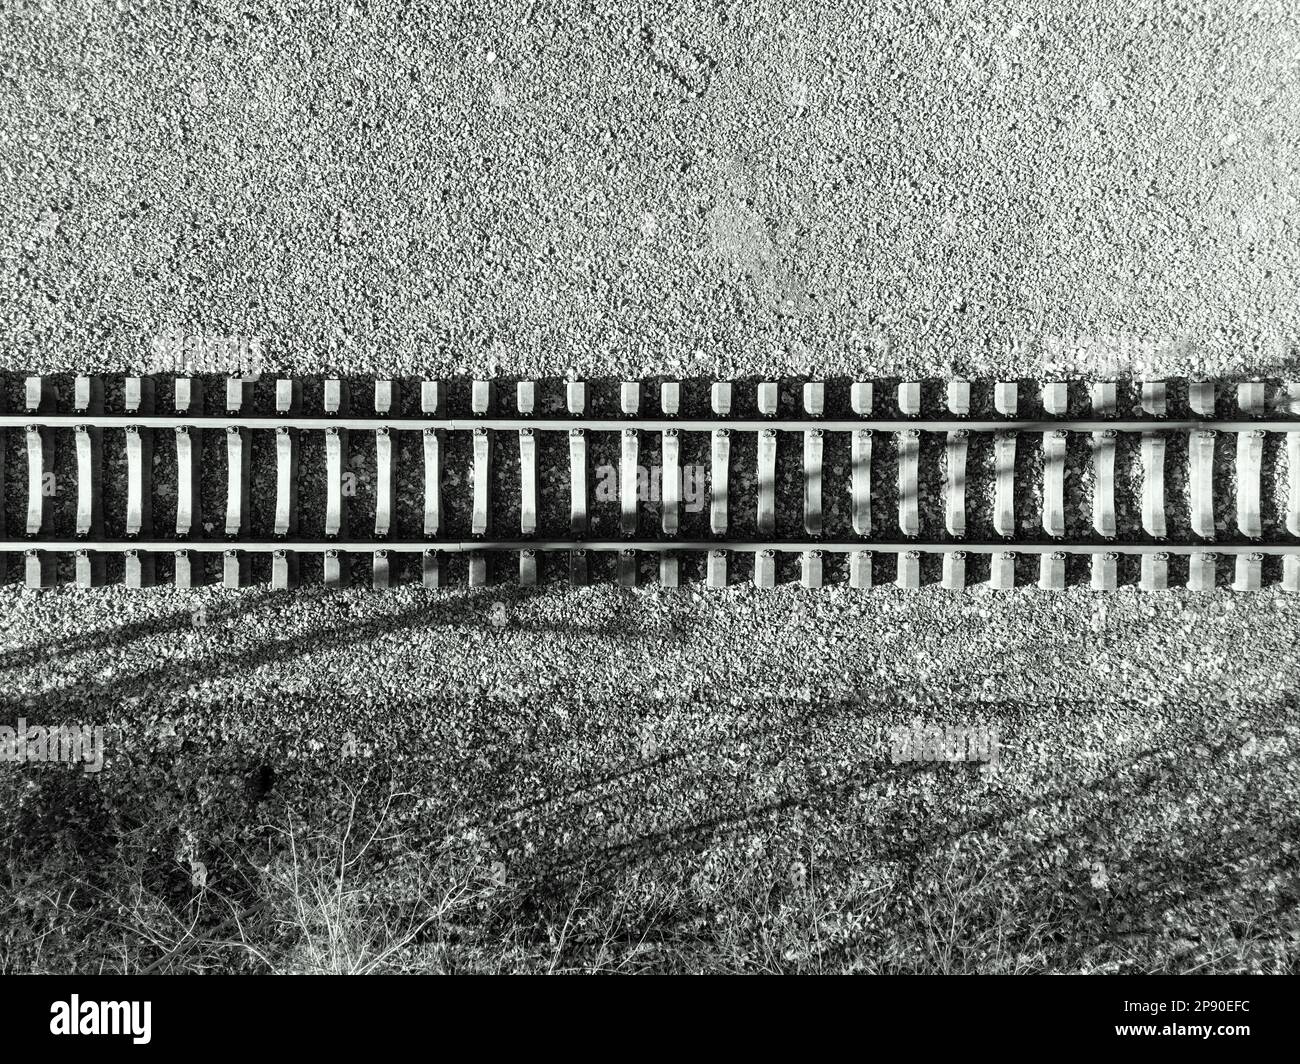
x,y
566,424
463,546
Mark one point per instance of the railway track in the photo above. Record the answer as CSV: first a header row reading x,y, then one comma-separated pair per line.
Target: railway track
x,y
191,479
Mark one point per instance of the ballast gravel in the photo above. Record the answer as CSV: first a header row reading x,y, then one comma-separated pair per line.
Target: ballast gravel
x,y
647,743
999,188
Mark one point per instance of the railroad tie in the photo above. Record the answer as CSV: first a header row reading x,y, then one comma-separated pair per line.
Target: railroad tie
x,y
860,566
814,405
1153,462
954,495
482,405
629,483
720,459
236,569
767,437
670,488
478,568
578,567
909,482
629,476
39,569
909,485
1002,570
1250,459
909,570
431,569
288,400
1054,447
187,397
810,568
1105,571
1155,572
1154,404
716,571
860,399
139,400
432,404
1055,398
1103,462
40,395
1200,458
337,570
1201,570
483,400
336,449
88,398
526,403
1005,401
576,394
284,562
1004,504
1291,404
954,570
1200,481
383,561
528,498
627,563
670,573
909,459
1202,398
386,402
529,575
1248,572
284,569
238,463
381,570
956,447
1051,571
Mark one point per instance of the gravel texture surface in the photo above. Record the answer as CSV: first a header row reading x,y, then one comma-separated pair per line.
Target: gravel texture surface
x,y
555,188
545,190
703,745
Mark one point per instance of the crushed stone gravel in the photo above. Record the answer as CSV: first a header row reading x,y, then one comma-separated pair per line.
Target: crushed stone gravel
x,y
989,188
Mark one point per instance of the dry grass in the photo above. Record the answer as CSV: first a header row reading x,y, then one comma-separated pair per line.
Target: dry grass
x,y
356,886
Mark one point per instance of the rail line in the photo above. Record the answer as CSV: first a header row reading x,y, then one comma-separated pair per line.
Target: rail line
x,y
466,526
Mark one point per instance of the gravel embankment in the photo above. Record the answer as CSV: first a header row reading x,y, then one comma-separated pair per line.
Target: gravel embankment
x,y
552,188
645,747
